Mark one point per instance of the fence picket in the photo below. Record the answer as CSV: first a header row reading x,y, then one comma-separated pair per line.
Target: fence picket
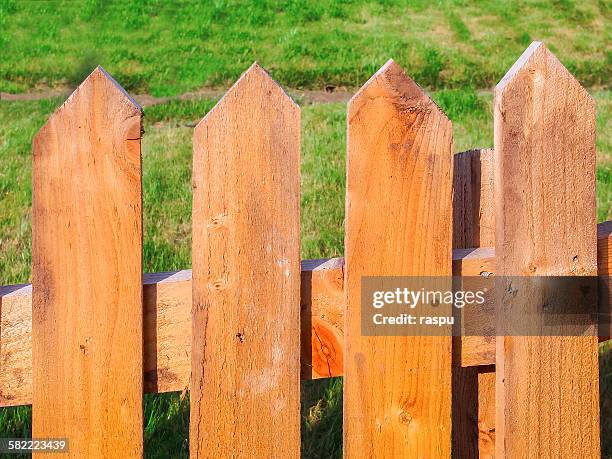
x,y
398,222
547,391
246,274
87,273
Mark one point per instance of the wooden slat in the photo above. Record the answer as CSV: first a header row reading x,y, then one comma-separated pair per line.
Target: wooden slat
x,y
397,390
473,209
474,412
547,387
16,345
486,412
473,226
87,273
167,325
245,374
322,318
465,412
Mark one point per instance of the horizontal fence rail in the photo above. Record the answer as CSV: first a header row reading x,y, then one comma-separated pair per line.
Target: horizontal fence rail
x,y
92,334
167,324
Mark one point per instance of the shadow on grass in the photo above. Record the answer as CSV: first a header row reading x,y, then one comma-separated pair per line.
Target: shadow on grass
x,y
166,417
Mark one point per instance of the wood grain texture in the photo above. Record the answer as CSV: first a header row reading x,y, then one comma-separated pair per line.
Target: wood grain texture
x,y
322,318
16,345
544,129
167,324
397,390
87,273
245,374
479,350
486,412
167,330
473,226
473,207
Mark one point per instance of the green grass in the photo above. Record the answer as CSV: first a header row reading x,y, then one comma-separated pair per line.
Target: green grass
x,y
167,221
167,48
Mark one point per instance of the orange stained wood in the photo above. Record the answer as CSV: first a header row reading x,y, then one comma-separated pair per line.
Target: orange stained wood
x,y
167,325
473,209
322,337
397,390
486,412
87,273
473,226
245,373
547,397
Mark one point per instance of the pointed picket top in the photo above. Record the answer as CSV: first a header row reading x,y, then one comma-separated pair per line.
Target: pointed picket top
x,y
392,82
87,225
108,96
399,171
246,273
102,75
537,63
254,86
545,217
99,79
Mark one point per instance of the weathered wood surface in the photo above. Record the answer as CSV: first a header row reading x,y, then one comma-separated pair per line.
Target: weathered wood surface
x,y
167,330
16,345
397,390
547,392
245,373
167,325
87,273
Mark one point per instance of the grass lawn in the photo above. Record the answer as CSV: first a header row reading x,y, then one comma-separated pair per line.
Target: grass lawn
x,y
167,48
167,228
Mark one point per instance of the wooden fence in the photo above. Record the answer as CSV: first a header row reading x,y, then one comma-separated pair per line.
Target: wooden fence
x,y
249,322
